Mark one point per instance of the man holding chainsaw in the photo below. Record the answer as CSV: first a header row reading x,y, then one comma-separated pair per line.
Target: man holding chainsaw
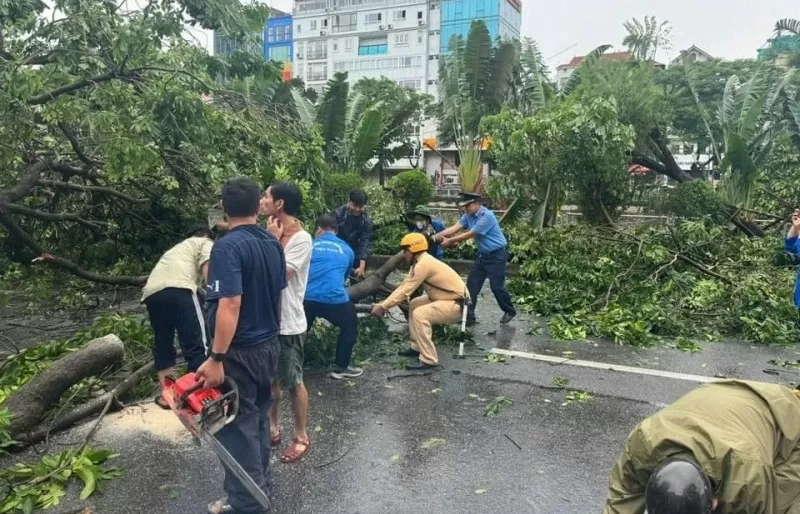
x,y
443,301
247,273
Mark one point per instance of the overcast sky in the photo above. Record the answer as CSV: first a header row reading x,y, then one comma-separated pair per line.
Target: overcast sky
x,y
724,28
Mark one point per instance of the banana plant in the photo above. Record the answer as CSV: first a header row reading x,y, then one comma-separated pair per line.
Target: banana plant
x,y
351,128
751,117
475,79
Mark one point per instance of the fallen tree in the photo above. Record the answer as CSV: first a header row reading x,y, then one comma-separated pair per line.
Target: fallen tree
x,y
30,402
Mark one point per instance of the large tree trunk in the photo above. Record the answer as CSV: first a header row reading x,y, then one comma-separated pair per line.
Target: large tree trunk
x,y
30,402
375,282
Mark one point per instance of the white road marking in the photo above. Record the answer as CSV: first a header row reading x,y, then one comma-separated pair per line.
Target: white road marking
x,y
605,366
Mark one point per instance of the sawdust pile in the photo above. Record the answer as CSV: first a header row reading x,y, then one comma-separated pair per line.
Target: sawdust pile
x,y
146,419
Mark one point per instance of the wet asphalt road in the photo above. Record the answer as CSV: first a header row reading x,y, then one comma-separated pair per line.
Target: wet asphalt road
x,y
369,435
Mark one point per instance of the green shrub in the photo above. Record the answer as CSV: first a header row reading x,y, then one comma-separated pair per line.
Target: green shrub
x,y
411,188
382,206
337,186
693,199
386,238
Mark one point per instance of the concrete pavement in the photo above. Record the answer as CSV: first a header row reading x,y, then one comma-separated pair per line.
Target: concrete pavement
x,y
423,444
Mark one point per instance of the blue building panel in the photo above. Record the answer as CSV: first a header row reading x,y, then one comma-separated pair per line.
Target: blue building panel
x,y
502,17
278,39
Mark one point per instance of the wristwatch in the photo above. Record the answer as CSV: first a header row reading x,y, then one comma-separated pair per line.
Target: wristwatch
x,y
217,357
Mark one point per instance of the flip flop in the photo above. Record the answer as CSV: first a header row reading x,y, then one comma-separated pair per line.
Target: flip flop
x,y
290,455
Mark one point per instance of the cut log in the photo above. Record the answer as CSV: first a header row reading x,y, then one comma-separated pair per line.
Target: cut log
x,y
89,408
29,403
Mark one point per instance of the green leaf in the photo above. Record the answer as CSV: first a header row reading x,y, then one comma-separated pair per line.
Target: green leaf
x,y
89,481
433,442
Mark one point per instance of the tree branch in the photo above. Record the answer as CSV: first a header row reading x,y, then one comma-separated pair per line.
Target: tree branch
x,y
13,228
26,183
69,170
90,189
49,216
670,166
71,88
76,147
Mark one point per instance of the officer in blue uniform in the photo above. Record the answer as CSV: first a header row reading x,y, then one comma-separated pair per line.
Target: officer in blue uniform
x,y
480,223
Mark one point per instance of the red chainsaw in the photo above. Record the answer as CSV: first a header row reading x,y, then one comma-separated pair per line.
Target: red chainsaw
x,y
204,411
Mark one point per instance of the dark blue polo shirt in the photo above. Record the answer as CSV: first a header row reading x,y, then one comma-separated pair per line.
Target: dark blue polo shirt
x,y
248,262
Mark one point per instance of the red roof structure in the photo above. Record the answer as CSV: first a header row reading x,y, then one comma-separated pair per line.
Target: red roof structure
x,y
614,56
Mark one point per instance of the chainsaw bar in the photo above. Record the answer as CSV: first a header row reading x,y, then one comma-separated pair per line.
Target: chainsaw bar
x,y
195,427
234,467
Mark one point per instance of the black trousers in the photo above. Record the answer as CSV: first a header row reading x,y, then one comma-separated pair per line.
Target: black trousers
x,y
172,310
253,368
492,266
342,315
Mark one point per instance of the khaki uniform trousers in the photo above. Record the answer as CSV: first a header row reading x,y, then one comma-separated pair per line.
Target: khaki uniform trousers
x,y
422,314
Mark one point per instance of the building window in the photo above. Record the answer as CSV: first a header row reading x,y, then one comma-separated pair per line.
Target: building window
x,y
373,49
434,7
298,28
419,15
313,25
271,35
401,39
348,44
411,84
317,50
419,38
372,18
325,22
335,46
399,15
317,71
345,23
279,53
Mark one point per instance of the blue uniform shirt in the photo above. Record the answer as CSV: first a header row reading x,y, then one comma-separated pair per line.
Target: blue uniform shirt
x,y
792,245
248,262
488,235
331,262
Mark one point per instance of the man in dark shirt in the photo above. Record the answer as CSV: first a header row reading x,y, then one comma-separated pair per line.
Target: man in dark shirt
x,y
355,228
247,272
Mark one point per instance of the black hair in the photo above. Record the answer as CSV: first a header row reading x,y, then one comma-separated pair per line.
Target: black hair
x,y
200,231
358,197
327,222
240,197
290,194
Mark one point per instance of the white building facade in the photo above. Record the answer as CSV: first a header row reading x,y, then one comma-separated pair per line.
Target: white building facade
x,y
397,39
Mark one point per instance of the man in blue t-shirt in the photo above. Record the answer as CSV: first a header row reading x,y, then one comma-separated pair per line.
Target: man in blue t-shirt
x,y
326,297
247,272
480,223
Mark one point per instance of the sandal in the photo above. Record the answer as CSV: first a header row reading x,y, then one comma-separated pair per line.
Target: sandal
x,y
291,454
159,400
275,440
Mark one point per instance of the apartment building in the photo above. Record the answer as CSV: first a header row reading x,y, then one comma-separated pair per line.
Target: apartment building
x,y
278,41
273,40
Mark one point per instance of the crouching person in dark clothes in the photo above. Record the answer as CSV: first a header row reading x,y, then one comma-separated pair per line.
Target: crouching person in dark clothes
x,y
246,274
170,296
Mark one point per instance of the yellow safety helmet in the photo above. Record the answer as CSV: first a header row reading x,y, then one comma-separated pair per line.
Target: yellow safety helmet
x,y
414,242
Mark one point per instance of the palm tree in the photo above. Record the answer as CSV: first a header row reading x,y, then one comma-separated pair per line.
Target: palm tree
x,y
646,38
475,79
788,25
